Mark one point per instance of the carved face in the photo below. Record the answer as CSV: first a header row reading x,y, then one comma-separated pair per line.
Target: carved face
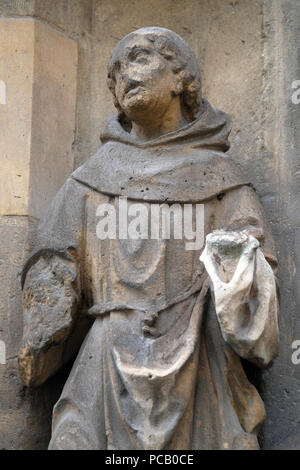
x,y
145,82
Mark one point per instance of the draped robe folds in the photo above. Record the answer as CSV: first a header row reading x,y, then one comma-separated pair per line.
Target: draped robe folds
x,y
155,370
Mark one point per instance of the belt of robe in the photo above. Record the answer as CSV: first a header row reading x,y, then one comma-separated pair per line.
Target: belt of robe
x,y
151,313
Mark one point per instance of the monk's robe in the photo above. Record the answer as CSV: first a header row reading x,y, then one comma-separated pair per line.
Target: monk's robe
x,y
156,369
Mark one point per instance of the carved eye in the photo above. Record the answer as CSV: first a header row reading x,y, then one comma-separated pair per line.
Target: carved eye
x,y
139,56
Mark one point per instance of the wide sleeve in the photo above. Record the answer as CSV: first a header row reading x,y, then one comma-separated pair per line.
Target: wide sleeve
x,y
246,304
52,288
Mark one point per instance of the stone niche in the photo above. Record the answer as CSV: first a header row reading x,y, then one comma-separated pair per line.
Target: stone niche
x,y
53,104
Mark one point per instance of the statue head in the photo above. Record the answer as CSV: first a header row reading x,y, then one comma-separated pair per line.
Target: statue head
x,y
148,69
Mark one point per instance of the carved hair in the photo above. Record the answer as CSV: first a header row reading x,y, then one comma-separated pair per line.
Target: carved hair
x,y
183,62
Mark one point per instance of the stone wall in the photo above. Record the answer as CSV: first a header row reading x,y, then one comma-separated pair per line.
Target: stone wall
x,y
249,58
281,125
38,66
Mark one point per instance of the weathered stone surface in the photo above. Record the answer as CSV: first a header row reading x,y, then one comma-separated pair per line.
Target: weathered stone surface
x,y
38,66
223,38
282,141
17,7
53,115
16,70
24,415
224,34
161,336
242,40
238,269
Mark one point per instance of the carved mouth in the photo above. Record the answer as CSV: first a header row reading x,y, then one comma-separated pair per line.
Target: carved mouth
x,y
133,91
131,88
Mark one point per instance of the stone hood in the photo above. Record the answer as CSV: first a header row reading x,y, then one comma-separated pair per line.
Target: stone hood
x,y
186,165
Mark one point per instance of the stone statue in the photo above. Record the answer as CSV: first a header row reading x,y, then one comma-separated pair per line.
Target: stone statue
x,y
163,331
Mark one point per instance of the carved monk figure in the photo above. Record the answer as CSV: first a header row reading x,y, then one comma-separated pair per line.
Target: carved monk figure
x,y
166,333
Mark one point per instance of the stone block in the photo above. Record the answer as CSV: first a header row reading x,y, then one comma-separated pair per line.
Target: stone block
x,y
38,67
